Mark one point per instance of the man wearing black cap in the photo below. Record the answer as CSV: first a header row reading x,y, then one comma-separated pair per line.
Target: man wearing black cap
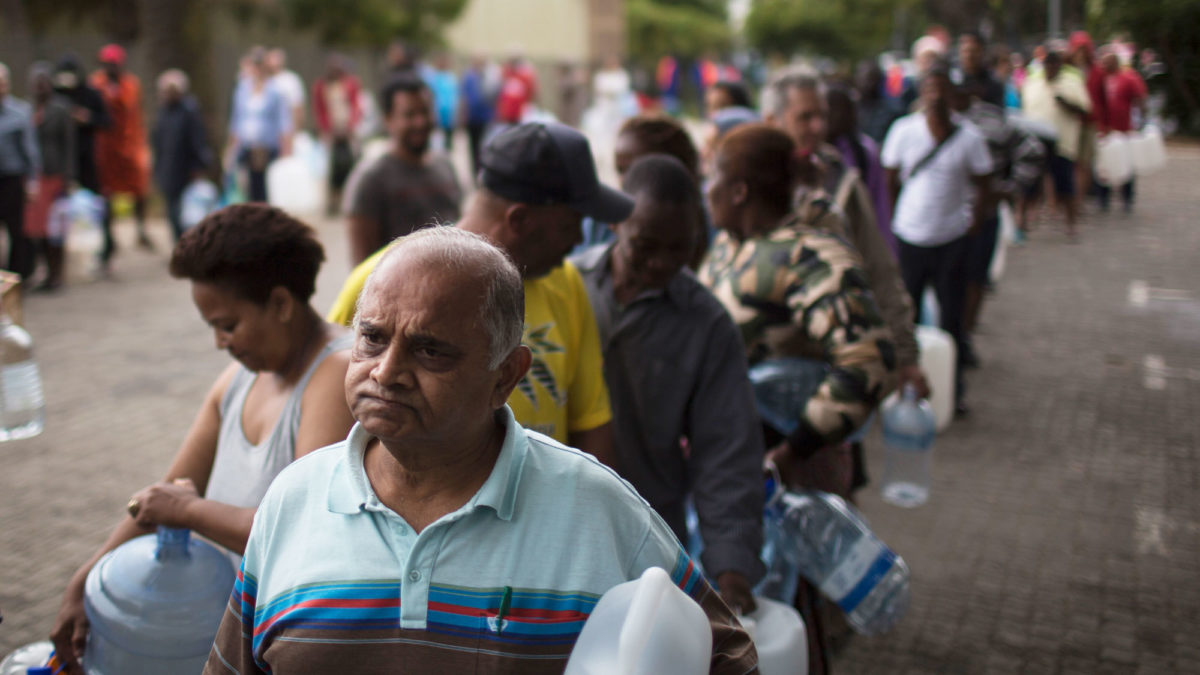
x,y
536,183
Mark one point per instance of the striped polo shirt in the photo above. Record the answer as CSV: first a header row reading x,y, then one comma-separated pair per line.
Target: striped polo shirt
x,y
334,581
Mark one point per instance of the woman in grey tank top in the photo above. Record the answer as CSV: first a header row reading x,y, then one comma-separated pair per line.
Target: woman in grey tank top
x,y
253,270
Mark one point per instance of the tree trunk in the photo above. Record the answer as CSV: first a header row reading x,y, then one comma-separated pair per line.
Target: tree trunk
x,y
18,43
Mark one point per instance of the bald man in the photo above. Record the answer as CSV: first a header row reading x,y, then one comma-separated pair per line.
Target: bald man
x,y
441,536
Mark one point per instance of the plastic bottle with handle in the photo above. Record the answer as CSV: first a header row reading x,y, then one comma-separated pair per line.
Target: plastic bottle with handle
x,y
909,429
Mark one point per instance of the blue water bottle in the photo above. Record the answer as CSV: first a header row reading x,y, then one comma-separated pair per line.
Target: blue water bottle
x,y
154,604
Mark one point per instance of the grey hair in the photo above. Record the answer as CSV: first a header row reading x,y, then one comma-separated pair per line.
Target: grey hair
x,y
773,100
41,69
502,311
176,76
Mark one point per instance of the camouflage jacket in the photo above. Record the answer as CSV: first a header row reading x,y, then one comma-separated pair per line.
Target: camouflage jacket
x,y
798,291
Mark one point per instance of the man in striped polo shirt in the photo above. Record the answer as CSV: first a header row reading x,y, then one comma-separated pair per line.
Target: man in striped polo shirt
x,y
441,536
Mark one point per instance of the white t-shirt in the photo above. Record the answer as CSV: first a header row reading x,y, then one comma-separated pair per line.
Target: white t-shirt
x,y
935,205
290,85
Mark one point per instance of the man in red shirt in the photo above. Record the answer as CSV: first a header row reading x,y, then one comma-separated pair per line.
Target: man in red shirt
x,y
1123,89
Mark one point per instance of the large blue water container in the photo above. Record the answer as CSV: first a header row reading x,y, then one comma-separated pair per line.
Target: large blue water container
x,y
154,604
782,387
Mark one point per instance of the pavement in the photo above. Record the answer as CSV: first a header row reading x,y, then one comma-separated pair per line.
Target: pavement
x,y
1063,530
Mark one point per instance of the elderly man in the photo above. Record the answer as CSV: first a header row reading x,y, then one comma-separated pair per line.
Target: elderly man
x,y
20,164
181,152
676,368
441,536
537,182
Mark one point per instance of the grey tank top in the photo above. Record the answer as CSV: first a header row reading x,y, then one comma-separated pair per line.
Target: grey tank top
x,y
242,471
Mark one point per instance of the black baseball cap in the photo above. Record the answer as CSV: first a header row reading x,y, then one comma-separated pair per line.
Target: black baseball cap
x,y
546,163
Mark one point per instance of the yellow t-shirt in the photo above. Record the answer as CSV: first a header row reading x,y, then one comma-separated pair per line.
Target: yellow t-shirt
x,y
564,389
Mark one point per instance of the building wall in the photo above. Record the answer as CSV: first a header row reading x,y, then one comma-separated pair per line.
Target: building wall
x,y
575,31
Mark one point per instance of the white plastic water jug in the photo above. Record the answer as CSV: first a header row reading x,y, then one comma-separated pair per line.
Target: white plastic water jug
x,y
292,187
779,637
154,604
1007,235
1114,161
199,199
1148,151
22,659
938,355
644,627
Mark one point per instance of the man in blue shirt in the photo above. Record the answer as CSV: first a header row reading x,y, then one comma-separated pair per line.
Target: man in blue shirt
x,y
20,164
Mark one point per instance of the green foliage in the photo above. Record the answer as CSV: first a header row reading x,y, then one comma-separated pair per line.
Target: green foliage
x,y
1169,27
374,22
835,28
682,29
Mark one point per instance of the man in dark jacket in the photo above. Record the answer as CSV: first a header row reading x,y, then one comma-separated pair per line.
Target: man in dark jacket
x,y
181,151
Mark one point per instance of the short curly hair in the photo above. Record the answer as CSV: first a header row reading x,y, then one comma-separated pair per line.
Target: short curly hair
x,y
251,249
659,133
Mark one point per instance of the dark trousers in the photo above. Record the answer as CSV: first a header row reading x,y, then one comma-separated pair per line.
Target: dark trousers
x,y
1104,192
175,214
256,161
945,268
475,134
12,212
106,224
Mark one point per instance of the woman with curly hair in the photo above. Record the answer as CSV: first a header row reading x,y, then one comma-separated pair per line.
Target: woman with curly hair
x,y
253,270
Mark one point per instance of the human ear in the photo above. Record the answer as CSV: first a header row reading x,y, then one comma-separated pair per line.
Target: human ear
x,y
520,219
282,303
739,192
512,369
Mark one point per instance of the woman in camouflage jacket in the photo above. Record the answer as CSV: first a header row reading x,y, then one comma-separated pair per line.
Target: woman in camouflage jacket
x,y
793,289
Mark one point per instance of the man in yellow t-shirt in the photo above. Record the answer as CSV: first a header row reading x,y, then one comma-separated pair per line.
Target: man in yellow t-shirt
x,y
536,182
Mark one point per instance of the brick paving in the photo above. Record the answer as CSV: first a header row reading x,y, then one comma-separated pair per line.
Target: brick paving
x,y
1063,531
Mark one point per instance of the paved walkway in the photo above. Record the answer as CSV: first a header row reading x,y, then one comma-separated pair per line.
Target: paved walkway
x,y
1063,532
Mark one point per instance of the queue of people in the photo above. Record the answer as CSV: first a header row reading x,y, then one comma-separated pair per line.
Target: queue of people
x,y
494,425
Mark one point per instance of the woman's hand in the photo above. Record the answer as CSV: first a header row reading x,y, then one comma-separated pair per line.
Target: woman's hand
x,y
164,503
71,628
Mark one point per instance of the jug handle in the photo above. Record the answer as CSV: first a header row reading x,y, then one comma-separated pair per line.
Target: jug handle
x,y
636,631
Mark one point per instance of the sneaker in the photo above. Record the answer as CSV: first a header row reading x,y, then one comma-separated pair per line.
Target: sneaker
x,y
1019,238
